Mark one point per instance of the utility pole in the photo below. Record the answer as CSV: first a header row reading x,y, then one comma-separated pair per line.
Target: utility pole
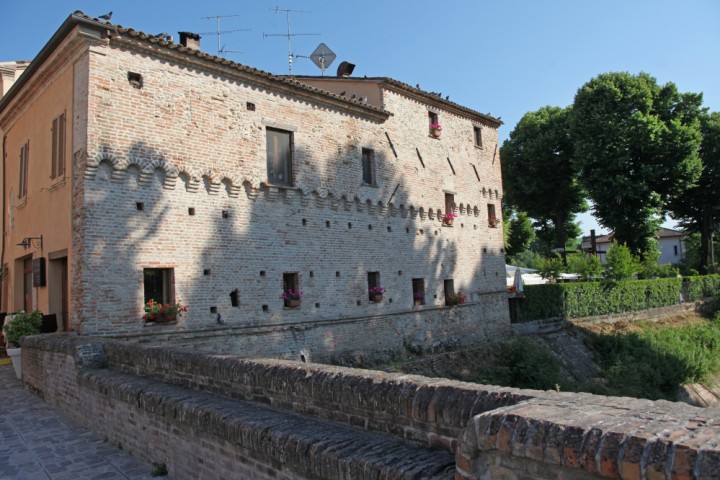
x,y
288,34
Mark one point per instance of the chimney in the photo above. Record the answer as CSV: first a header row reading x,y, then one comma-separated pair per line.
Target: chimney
x,y
190,40
345,69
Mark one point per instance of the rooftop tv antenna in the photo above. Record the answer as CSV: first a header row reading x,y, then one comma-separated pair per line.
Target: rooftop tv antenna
x,y
322,57
288,34
219,32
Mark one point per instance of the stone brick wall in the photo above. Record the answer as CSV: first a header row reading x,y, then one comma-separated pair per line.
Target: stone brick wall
x,y
364,341
188,140
201,414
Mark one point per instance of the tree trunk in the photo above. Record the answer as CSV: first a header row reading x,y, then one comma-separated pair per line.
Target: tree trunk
x,y
560,236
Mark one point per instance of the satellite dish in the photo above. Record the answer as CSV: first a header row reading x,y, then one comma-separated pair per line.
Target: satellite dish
x,y
323,57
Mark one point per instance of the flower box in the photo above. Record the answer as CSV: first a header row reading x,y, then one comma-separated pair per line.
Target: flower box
x,y
376,298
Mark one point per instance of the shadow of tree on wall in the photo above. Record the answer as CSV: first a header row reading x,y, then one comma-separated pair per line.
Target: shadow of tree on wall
x,y
243,235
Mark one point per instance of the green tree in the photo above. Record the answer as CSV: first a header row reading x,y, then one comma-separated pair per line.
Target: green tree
x,y
698,210
636,147
551,268
520,234
538,175
585,265
620,264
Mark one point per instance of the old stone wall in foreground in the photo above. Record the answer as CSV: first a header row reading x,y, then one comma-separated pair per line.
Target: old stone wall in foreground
x,y
213,415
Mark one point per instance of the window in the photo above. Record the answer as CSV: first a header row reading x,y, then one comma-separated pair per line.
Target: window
x,y
675,249
291,285
449,291
373,279
279,157
24,159
418,286
368,164
478,136
159,284
449,203
57,165
432,118
492,218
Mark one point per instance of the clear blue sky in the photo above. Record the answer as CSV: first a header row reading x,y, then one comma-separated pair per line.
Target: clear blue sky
x,y
502,57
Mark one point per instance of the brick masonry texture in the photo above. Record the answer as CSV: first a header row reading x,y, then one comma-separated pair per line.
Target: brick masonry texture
x,y
206,414
187,140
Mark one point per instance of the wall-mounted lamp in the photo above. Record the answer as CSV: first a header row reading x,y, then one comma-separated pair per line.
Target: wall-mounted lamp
x,y
28,242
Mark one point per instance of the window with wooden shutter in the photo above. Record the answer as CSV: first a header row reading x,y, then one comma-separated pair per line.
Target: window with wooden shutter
x,y
24,159
57,166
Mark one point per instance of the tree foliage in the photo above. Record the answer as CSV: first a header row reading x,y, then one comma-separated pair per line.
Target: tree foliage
x,y
698,210
539,177
636,147
520,234
586,265
620,264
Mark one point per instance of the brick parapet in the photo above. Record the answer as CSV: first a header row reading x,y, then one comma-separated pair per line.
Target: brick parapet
x,y
592,436
495,432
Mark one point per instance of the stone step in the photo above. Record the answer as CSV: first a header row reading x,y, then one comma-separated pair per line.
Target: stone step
x,y
286,442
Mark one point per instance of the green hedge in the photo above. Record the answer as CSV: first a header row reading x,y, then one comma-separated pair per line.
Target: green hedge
x,y
587,299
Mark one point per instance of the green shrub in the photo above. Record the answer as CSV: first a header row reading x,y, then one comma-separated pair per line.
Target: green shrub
x,y
584,264
523,364
699,287
655,362
22,324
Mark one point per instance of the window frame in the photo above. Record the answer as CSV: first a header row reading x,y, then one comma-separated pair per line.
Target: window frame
x,y
373,280
418,286
58,139
290,281
24,168
167,285
433,117
367,159
449,288
477,134
271,162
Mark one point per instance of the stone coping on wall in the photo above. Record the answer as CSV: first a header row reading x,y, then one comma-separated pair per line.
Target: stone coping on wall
x,y
608,437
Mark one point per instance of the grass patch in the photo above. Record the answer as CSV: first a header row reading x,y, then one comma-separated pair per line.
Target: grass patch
x,y
654,363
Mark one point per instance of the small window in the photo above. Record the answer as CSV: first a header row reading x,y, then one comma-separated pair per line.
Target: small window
x,y
158,284
279,157
374,287
449,291
24,160
675,249
493,221
477,133
57,163
418,287
291,286
368,166
449,204
432,120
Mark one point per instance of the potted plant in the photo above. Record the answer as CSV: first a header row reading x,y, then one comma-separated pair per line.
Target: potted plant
x,y
435,129
376,293
456,299
156,312
21,325
292,298
449,218
493,221
419,298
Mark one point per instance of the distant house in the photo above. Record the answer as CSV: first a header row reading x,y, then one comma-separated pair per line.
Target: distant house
x,y
672,245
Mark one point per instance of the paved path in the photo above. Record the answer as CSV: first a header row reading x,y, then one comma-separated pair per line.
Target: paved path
x,y
38,443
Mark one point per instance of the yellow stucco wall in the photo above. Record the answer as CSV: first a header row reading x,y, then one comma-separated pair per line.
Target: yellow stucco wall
x,y
46,209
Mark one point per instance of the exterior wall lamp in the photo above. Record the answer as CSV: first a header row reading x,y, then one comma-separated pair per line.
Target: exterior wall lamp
x,y
28,242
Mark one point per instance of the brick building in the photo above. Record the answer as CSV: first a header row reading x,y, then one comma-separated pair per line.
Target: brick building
x,y
136,168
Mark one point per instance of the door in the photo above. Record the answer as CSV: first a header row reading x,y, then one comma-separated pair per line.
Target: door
x,y
27,285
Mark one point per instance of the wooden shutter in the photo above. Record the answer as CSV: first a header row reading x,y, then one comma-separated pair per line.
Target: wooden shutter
x,y
61,146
